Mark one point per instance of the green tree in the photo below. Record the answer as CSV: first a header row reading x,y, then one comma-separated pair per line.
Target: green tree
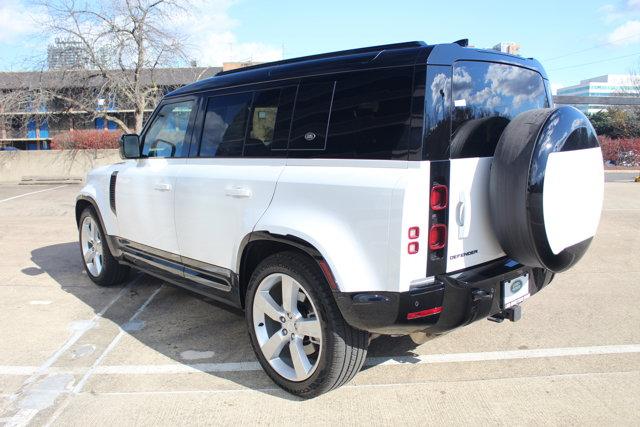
x,y
617,123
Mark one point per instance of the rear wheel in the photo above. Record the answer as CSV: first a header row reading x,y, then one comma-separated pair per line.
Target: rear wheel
x,y
100,265
296,329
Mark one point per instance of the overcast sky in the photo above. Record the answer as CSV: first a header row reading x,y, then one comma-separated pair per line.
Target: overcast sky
x,y
574,39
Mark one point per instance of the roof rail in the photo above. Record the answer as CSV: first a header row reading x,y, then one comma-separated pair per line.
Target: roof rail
x,y
327,55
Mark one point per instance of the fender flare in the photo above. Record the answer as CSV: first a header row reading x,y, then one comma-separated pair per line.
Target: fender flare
x,y
288,240
84,198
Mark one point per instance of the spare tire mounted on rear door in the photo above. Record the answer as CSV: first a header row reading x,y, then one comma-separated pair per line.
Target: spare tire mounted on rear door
x,y
546,187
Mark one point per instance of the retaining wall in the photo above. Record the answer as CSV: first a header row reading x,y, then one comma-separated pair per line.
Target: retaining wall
x,y
53,163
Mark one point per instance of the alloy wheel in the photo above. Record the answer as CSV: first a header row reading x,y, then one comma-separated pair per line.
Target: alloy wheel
x,y
91,244
287,327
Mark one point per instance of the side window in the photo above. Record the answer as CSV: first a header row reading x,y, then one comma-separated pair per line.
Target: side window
x,y
486,96
225,124
269,122
370,115
311,116
167,134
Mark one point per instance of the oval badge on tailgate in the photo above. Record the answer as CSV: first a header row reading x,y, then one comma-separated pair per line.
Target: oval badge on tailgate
x,y
516,286
310,136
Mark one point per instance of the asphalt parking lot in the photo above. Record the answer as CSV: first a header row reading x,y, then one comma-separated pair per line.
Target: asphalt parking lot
x,y
150,354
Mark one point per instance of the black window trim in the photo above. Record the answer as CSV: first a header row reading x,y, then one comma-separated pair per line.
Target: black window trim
x,y
264,85
188,140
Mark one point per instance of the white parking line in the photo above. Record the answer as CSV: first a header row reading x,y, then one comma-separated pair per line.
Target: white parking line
x,y
177,368
96,364
24,415
112,344
277,390
33,192
504,355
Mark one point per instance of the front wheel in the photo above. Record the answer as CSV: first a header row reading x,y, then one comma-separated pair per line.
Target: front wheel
x,y
100,265
296,329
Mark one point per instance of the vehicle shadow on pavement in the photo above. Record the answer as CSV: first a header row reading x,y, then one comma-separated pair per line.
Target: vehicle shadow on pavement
x,y
184,326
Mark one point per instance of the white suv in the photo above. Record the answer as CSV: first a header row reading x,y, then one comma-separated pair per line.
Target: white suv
x,y
395,189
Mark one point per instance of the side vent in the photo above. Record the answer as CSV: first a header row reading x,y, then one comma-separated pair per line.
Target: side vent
x,y
112,191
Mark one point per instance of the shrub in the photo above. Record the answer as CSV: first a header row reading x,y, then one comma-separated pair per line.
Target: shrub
x,y
622,152
86,139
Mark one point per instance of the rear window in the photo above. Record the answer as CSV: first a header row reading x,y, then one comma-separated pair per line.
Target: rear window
x,y
486,96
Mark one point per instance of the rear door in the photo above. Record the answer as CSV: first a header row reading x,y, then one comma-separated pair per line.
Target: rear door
x,y
228,185
485,97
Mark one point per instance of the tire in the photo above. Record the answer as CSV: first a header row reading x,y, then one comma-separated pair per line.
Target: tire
x,y
546,187
342,349
104,269
470,138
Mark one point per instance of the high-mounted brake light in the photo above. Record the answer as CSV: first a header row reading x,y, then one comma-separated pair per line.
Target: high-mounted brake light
x,y
437,237
439,197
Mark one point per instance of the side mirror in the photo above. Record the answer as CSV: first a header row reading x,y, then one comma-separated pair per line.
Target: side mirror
x,y
130,146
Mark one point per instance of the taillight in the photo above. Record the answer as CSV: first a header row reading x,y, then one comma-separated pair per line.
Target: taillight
x,y
437,237
439,197
413,248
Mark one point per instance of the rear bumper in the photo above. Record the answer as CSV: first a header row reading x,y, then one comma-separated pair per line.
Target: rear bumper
x,y
449,302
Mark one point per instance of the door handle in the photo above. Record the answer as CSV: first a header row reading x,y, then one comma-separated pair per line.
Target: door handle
x,y
238,192
463,215
162,186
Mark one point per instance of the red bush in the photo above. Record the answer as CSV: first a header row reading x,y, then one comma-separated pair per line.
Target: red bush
x,y
86,139
622,152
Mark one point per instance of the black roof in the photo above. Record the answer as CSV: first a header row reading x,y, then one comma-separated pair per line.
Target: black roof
x,y
389,55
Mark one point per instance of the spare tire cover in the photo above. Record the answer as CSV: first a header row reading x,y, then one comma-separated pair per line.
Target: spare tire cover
x,y
546,187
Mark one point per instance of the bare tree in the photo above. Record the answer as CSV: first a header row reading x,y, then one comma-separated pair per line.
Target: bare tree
x,y
124,43
634,89
19,105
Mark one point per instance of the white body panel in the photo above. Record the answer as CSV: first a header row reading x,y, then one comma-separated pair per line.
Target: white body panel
x,y
218,202
352,212
145,202
471,239
572,196
96,188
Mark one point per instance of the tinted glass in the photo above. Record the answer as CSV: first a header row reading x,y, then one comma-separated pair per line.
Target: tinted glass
x,y
369,115
225,124
437,107
166,136
311,116
486,96
269,122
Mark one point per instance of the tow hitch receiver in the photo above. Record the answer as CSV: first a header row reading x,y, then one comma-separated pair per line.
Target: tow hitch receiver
x,y
512,313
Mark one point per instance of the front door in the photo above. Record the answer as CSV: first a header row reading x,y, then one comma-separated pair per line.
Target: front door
x,y
145,191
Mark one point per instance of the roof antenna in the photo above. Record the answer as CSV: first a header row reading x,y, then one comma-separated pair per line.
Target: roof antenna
x,y
462,42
